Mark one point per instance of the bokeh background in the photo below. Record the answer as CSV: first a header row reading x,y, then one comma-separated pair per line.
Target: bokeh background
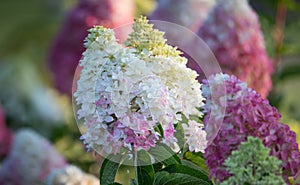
x,y
29,96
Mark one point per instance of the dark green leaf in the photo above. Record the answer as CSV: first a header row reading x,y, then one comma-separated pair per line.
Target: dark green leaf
x,y
158,128
157,166
179,168
196,158
164,154
164,178
115,183
179,134
193,165
133,182
161,177
109,169
144,171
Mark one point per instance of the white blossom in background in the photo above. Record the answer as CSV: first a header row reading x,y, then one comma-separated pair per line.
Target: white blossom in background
x,y
125,93
71,175
30,160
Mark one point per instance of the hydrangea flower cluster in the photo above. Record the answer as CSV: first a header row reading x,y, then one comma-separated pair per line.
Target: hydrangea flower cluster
x,y
126,93
30,160
68,46
189,13
232,32
251,164
5,136
71,175
247,114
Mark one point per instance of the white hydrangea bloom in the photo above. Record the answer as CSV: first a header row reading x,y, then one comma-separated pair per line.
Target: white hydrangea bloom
x,y
125,92
195,136
71,175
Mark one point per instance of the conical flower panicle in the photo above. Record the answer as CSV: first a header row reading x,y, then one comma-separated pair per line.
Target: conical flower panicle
x,y
124,93
232,32
145,38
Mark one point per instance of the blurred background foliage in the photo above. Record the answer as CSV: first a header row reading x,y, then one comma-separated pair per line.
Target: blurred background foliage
x,y
27,91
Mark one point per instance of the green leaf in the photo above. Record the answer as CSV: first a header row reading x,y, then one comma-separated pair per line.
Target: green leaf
x,y
144,171
109,169
164,154
179,168
158,128
157,166
179,134
196,158
193,165
133,182
165,178
161,177
115,183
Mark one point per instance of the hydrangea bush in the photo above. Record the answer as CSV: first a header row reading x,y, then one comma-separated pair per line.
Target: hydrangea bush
x,y
140,97
247,114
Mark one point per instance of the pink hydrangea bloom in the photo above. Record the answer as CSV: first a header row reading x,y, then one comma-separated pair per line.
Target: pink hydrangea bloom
x,y
188,13
5,136
30,160
68,46
232,32
248,114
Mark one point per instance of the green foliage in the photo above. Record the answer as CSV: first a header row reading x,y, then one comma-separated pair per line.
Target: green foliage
x,y
160,165
251,164
179,134
109,170
144,173
165,178
179,168
198,159
163,154
181,174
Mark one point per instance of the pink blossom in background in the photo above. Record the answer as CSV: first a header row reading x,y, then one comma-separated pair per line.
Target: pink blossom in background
x,y
232,32
6,136
68,46
247,114
31,159
188,13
